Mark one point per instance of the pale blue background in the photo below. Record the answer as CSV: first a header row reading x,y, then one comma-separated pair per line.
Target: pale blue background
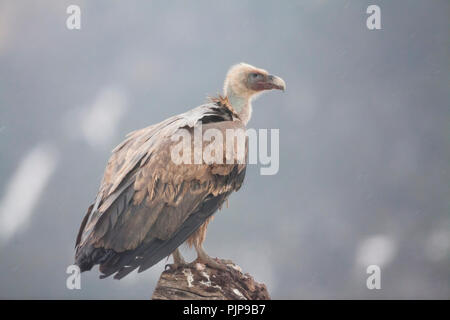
x,y
364,136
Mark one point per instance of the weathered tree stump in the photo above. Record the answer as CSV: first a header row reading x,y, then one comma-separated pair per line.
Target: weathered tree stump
x,y
201,282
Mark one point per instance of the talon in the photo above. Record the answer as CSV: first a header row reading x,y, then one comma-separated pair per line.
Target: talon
x,y
175,266
168,266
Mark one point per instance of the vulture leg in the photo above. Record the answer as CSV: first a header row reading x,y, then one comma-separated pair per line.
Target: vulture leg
x,y
178,261
197,240
202,257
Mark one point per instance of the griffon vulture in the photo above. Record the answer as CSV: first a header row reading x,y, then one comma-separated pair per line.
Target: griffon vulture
x,y
147,205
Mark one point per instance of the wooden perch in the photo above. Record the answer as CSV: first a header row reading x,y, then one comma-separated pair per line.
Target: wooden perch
x,y
201,282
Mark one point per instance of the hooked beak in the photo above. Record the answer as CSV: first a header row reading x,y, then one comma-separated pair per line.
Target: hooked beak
x,y
274,82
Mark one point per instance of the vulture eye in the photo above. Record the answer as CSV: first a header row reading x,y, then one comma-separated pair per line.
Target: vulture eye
x,y
254,75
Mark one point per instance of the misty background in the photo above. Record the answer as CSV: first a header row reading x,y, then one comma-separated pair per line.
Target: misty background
x,y
364,137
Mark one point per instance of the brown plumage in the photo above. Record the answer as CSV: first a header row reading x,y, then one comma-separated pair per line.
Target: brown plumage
x,y
148,205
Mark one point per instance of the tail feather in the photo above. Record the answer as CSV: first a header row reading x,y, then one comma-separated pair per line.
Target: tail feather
x,y
88,256
148,253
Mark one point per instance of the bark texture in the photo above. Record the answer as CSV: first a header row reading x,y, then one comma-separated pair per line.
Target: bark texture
x,y
199,282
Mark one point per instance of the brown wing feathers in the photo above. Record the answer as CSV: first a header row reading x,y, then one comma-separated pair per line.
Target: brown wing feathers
x,y
148,205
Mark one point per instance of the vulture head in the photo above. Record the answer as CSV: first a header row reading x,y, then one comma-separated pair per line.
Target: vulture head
x,y
243,83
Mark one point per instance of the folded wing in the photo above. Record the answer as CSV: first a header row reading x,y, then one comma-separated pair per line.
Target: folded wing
x,y
147,204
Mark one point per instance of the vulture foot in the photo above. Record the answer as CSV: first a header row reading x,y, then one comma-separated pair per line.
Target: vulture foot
x,y
209,261
178,262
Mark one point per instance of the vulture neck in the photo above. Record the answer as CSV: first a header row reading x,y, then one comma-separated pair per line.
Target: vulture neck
x,y
241,105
